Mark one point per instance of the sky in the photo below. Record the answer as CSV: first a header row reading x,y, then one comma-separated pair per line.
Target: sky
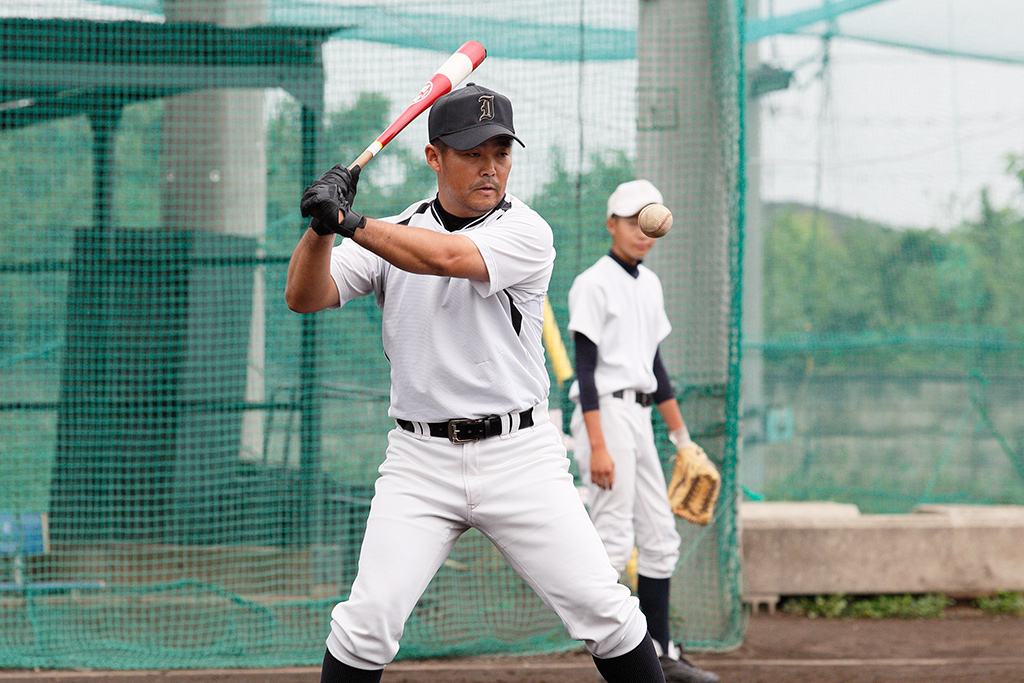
x,y
890,134
900,135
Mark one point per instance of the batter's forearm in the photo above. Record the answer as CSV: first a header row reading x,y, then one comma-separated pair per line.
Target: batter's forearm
x,y
425,252
309,286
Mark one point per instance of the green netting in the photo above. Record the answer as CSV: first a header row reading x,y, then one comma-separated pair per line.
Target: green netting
x,y
893,369
202,457
883,338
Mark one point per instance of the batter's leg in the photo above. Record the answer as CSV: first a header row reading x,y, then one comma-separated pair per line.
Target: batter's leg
x,y
334,671
416,517
639,664
534,516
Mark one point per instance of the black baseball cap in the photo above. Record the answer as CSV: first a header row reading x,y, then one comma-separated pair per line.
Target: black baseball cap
x,y
470,116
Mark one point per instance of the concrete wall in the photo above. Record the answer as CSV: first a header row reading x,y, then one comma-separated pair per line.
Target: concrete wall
x,y
828,548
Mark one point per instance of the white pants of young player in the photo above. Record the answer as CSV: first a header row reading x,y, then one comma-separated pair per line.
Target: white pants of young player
x,y
515,489
635,511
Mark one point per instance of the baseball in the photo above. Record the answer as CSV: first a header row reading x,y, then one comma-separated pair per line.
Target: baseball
x,y
655,220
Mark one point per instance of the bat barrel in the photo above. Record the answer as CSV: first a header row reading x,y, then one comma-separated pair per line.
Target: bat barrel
x,y
474,50
462,63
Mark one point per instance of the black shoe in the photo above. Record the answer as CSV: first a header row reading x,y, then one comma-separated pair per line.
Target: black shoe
x,y
682,671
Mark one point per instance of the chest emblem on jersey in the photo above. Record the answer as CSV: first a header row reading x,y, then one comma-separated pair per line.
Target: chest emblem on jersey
x,y
486,107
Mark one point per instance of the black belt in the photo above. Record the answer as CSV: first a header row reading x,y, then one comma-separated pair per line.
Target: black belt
x,y
466,431
641,398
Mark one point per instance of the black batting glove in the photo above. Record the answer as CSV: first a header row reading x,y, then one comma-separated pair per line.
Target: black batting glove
x,y
334,191
321,202
351,222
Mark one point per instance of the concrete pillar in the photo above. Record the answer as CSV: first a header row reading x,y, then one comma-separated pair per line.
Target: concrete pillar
x,y
687,146
752,406
214,174
684,102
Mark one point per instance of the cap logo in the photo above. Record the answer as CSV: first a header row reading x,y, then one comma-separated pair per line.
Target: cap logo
x,y
486,107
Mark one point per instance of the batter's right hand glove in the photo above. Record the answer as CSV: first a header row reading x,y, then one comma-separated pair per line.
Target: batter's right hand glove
x,y
330,194
695,484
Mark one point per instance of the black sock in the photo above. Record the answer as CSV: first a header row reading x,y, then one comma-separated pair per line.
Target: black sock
x,y
653,595
334,671
639,665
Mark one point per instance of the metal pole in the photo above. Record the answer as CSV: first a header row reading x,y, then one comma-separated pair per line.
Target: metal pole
x,y
310,400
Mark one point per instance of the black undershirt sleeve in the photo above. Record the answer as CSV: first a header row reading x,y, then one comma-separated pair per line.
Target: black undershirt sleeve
x,y
664,390
586,363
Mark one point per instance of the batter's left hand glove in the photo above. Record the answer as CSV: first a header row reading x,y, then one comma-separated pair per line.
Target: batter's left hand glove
x,y
330,194
695,484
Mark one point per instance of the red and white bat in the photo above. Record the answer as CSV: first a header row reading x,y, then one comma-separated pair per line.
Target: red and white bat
x,y
452,72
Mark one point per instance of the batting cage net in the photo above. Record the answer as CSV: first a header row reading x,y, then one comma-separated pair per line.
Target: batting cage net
x,y
188,464
883,353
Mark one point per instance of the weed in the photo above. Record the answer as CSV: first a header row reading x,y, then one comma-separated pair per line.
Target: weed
x,y
873,607
1007,602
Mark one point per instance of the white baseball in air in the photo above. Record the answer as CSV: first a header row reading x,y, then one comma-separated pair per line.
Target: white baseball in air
x,y
655,220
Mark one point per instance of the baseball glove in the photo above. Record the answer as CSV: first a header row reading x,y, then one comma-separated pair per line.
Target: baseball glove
x,y
695,484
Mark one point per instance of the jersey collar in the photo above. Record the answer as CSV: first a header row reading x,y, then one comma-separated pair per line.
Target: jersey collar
x,y
629,268
455,223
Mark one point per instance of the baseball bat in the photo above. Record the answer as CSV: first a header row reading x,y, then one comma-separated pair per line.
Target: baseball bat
x,y
560,363
462,63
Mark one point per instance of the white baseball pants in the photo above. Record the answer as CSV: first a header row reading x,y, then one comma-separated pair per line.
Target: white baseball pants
x,y
635,511
516,489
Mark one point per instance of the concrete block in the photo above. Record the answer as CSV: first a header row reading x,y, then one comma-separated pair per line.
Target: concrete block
x,y
826,548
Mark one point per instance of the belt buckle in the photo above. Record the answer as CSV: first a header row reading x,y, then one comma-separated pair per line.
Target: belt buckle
x,y
453,431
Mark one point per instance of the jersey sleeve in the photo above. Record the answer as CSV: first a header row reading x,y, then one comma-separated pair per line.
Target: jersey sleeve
x,y
664,390
518,250
586,364
664,324
587,307
356,271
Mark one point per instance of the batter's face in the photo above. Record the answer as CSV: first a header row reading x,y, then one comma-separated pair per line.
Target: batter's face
x,y
470,183
629,242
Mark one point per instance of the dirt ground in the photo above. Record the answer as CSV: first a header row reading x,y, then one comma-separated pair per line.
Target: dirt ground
x,y
966,645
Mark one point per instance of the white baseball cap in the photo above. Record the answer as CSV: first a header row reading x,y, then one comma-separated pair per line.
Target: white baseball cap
x,y
628,198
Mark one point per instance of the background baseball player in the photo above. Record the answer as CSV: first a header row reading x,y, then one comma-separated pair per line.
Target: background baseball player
x,y
617,318
461,280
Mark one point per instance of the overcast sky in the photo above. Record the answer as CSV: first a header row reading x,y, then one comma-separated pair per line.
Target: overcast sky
x,y
900,135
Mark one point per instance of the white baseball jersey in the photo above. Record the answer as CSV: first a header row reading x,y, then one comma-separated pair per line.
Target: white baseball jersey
x,y
460,348
625,317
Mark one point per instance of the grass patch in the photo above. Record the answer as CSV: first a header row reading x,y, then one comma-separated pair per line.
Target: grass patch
x,y
1009,602
869,607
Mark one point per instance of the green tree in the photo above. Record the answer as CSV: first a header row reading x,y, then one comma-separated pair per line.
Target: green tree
x,y
996,242
574,206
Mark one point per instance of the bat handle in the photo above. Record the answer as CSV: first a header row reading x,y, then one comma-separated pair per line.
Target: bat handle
x,y
362,160
369,153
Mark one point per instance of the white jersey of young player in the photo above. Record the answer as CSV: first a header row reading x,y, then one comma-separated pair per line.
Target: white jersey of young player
x,y
459,348
462,349
625,317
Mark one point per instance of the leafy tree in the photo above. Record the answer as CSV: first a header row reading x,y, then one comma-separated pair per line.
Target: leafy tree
x,y
574,206
863,295
996,243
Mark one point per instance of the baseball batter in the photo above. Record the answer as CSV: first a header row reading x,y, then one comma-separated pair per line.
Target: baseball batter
x,y
461,279
617,318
